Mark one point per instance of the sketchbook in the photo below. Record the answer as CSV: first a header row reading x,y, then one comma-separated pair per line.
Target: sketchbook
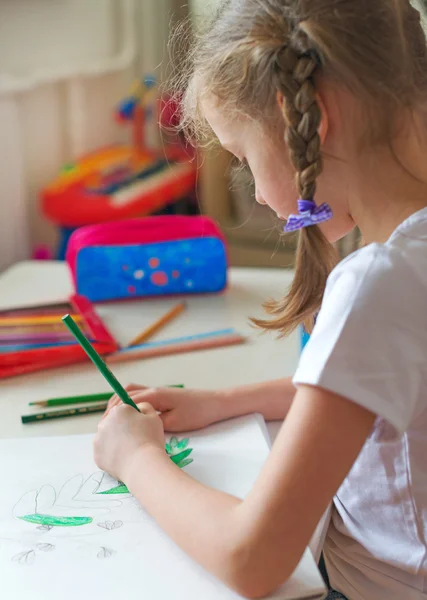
x,y
68,530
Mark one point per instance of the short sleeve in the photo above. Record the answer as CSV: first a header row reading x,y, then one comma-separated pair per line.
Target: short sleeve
x,y
369,343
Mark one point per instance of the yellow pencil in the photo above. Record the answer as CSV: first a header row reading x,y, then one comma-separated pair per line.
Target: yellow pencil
x,y
150,331
41,320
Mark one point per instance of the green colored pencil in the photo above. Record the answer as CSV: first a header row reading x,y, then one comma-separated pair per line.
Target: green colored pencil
x,y
97,361
64,401
66,412
73,400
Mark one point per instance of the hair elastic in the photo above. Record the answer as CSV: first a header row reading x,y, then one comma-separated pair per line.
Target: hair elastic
x,y
308,214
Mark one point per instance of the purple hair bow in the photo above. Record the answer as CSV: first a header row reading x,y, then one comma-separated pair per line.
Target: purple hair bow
x,y
308,214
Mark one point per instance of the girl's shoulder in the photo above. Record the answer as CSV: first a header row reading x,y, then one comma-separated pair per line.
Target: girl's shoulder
x,y
385,274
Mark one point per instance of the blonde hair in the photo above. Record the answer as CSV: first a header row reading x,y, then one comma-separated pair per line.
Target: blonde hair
x,y
254,49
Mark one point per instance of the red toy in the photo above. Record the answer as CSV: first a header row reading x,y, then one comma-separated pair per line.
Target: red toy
x,y
123,181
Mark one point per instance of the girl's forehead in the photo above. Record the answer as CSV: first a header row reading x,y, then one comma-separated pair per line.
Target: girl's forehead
x,y
229,128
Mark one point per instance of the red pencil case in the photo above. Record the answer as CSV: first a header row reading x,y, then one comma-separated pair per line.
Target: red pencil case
x,y
25,350
151,256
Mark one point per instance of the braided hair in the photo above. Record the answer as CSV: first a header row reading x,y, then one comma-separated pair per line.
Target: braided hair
x,y
255,49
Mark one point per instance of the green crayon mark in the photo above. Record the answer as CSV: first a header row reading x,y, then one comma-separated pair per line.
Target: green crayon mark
x,y
50,521
120,489
178,453
177,458
185,462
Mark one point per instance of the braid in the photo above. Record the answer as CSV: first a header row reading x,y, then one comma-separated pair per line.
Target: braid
x,y
315,257
255,49
302,116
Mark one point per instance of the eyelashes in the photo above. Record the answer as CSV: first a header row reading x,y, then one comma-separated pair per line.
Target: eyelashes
x,y
237,163
239,166
241,177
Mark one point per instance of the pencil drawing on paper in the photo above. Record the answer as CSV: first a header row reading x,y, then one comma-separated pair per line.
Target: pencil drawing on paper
x,y
50,521
110,525
119,489
105,552
28,556
24,558
80,507
71,507
178,452
45,547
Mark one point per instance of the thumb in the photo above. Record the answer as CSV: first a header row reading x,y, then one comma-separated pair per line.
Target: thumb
x,y
147,409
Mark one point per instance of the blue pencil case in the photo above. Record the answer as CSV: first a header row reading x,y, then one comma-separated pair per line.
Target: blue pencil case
x,y
151,256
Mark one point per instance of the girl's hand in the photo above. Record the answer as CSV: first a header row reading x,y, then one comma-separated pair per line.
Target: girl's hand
x,y
181,409
123,435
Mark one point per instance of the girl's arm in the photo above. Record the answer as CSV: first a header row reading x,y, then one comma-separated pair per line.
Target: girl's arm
x,y
252,545
185,409
272,399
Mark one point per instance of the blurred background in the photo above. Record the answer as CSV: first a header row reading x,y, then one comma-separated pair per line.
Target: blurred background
x,y
67,86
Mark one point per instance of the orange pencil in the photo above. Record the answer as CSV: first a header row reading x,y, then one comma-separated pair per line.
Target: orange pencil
x,y
218,341
150,331
34,320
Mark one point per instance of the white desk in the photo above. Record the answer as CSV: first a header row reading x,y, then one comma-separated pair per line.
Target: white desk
x,y
261,359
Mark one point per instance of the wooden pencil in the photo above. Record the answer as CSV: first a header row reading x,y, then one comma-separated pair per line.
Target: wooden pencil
x,y
164,320
64,413
35,320
98,362
86,398
218,341
103,397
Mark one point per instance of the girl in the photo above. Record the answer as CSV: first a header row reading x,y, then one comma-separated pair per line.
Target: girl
x,y
325,102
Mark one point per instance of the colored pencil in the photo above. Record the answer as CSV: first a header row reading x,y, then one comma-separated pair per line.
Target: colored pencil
x,y
164,320
185,338
97,361
178,340
152,350
64,413
9,348
74,400
42,320
103,397
33,338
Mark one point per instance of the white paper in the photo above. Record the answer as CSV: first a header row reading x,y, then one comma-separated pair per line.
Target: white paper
x,y
114,549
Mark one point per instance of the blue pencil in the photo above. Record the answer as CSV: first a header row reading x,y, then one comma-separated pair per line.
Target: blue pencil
x,y
4,349
188,338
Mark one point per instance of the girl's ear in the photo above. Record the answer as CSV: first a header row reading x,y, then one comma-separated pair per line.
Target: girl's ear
x,y
324,123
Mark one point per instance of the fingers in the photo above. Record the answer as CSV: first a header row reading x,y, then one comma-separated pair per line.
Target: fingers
x,y
169,422
131,389
124,409
147,409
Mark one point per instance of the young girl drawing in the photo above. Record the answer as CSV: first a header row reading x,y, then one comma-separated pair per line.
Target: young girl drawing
x,y
325,102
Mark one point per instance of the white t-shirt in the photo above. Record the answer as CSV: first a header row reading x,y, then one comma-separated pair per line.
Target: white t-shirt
x,y
370,346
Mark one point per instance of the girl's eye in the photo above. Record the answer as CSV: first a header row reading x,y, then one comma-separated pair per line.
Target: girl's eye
x,y
241,175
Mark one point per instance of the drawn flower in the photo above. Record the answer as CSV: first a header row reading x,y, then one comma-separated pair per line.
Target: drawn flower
x,y
110,525
105,553
176,450
119,489
45,547
25,558
72,506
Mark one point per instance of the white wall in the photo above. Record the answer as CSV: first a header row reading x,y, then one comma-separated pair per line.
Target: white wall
x,y
64,64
